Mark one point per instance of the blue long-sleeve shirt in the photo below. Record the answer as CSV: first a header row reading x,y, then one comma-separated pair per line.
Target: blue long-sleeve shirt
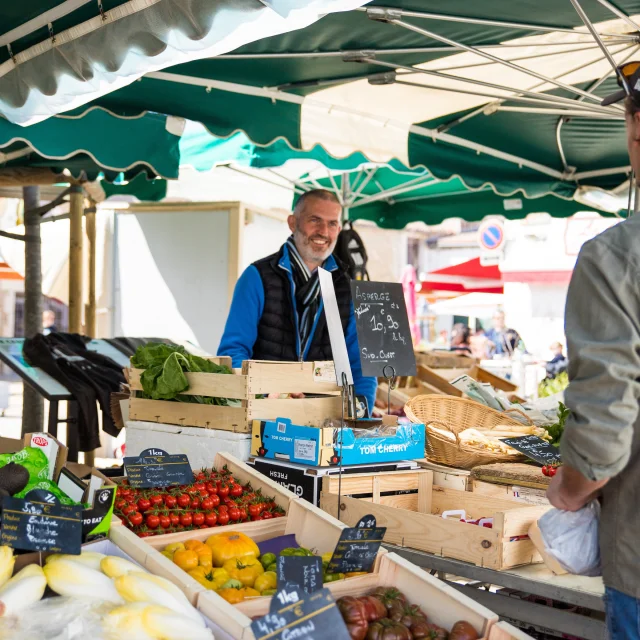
x,y
241,329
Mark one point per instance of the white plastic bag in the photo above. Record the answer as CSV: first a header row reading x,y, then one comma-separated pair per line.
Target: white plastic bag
x,y
571,537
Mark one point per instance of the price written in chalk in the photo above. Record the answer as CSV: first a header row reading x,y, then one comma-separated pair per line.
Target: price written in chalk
x,y
534,448
383,329
305,571
357,547
41,526
156,468
294,614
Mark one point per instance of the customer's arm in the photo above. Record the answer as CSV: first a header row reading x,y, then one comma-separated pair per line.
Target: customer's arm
x,y
241,330
364,385
603,337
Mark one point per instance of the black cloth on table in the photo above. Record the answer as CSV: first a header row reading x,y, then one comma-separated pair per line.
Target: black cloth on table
x,y
88,375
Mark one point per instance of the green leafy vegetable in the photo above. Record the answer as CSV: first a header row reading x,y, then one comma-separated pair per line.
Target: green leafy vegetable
x,y
555,430
164,373
551,386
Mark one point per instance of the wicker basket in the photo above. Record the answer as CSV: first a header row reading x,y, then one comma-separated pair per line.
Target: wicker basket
x,y
456,415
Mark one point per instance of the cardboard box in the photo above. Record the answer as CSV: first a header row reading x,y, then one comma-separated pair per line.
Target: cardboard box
x,y
306,482
318,446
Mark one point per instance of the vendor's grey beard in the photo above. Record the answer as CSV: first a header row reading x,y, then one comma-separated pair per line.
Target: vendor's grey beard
x,y
306,252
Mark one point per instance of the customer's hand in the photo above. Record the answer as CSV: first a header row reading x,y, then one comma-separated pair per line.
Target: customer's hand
x,y
569,490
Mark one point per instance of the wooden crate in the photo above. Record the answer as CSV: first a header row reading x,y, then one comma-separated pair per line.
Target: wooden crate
x,y
443,605
414,520
511,492
256,378
444,359
506,631
448,477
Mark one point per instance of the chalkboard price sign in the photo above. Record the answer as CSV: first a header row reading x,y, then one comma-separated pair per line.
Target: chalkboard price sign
x,y
535,448
358,547
383,329
41,526
305,571
304,617
156,468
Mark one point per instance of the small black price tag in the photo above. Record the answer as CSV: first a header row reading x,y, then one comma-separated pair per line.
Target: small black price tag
x,y
305,571
41,525
296,615
358,547
536,448
156,468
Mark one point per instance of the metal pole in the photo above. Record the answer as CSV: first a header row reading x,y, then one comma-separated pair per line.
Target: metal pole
x,y
346,191
90,311
76,211
32,401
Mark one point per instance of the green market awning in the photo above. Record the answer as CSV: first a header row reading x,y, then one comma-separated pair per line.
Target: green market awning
x,y
57,55
423,83
95,142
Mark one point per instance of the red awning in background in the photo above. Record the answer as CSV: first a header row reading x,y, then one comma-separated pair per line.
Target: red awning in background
x,y
467,277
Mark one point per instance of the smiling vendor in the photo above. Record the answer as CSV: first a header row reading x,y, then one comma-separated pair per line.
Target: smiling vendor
x,y
277,311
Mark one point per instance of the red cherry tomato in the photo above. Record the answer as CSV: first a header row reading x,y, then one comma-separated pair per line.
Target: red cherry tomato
x,y
234,513
223,490
131,508
121,503
254,510
186,519
184,501
152,521
207,504
165,521
170,501
156,500
223,508
135,519
210,519
199,486
198,519
235,491
175,519
223,518
195,503
267,515
144,504
215,499
551,471
211,488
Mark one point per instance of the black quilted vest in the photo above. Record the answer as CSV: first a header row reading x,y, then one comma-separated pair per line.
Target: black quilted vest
x,y
276,331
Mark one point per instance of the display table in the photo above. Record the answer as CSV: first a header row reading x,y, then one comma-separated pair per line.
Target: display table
x,y
572,592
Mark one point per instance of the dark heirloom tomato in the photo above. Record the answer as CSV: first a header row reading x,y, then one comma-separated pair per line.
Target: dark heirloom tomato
x,y
354,614
387,629
373,607
388,596
407,614
462,630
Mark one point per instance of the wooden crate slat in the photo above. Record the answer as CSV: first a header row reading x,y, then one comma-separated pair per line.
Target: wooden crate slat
x,y
190,414
433,379
302,411
213,385
476,505
424,532
516,522
355,483
519,552
284,377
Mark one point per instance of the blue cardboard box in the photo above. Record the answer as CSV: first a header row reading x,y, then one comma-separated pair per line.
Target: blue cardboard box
x,y
320,446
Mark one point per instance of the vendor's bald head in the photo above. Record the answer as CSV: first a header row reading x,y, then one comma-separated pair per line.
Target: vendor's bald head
x,y
315,224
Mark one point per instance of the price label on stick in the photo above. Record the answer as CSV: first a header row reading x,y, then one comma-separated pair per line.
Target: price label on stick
x,y
358,547
156,468
293,614
305,571
41,525
536,448
382,324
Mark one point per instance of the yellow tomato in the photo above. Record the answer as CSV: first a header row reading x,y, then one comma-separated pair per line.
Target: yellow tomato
x,y
245,569
193,545
186,560
250,593
232,596
268,580
175,546
168,554
204,561
232,544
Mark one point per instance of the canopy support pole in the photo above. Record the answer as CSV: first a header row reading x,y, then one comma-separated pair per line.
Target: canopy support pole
x,y
489,56
76,212
32,401
90,310
346,190
585,18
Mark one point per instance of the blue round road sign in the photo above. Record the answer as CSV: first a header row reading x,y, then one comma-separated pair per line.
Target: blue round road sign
x,y
491,236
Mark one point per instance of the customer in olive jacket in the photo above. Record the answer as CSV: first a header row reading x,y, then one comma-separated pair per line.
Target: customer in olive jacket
x,y
601,443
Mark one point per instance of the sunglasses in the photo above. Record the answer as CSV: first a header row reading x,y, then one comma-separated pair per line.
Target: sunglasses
x,y
627,70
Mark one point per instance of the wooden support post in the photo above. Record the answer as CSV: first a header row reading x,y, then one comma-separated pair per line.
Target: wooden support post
x,y
90,311
32,401
75,259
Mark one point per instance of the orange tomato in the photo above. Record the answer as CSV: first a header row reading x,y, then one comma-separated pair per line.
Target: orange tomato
x,y
186,559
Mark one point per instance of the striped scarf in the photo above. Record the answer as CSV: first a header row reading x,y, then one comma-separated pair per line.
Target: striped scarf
x,y
307,293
